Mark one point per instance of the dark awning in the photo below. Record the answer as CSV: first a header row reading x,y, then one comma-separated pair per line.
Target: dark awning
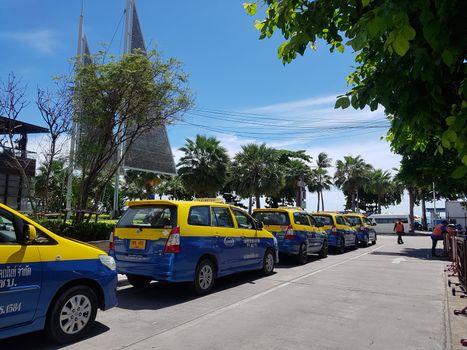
x,y
19,127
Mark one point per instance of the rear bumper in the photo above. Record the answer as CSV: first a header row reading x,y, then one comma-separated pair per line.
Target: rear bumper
x,y
288,246
332,240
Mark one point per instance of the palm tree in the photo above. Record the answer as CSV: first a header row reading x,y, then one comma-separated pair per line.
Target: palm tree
x,y
379,184
319,181
256,171
350,176
324,180
203,168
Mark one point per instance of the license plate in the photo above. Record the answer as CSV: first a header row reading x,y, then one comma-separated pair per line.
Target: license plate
x,y
137,244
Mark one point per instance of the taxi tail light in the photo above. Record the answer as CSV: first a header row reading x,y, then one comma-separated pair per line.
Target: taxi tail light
x,y
173,242
112,240
333,230
289,233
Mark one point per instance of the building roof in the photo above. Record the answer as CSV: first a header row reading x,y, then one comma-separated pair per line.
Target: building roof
x,y
19,127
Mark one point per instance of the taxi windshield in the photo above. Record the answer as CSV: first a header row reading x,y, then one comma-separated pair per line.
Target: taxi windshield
x,y
163,216
272,218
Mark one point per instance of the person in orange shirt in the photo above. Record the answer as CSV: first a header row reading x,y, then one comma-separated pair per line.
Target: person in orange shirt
x,y
437,235
399,230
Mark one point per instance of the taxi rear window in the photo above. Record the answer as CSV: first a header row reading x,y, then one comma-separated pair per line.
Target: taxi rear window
x,y
326,220
272,218
353,220
158,216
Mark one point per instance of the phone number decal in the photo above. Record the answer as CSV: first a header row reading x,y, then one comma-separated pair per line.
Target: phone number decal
x,y
10,308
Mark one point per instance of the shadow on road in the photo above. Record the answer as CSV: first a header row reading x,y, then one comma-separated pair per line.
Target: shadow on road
x,y
417,253
159,295
39,341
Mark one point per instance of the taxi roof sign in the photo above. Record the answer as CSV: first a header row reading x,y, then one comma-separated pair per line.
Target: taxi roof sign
x,y
213,200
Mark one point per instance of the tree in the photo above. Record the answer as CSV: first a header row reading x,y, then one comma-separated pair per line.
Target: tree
x,y
12,103
56,109
410,59
320,181
379,183
140,184
203,167
117,100
173,188
324,181
257,172
350,175
50,186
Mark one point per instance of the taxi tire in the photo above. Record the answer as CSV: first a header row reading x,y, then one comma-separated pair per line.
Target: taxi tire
x,y
355,243
139,281
323,253
268,267
53,328
204,266
341,246
302,256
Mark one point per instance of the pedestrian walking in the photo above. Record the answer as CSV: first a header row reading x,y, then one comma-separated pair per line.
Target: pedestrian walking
x,y
437,235
399,230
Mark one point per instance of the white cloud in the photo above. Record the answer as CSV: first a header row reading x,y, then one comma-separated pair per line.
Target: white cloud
x,y
293,106
43,41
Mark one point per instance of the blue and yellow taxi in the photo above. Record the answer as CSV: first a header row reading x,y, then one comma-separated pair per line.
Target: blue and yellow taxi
x,y
189,241
297,232
340,234
364,227
50,282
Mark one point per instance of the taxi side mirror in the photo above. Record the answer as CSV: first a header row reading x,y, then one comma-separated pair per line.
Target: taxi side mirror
x,y
30,233
259,225
373,224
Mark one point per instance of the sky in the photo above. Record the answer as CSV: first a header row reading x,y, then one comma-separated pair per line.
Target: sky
x,y
243,93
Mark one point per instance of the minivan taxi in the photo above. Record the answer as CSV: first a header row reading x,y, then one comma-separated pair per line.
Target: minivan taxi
x,y
189,241
50,282
365,232
296,231
340,234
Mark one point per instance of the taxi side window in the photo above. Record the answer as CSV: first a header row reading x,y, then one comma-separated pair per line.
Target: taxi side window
x,y
243,220
301,219
221,217
325,220
199,216
7,230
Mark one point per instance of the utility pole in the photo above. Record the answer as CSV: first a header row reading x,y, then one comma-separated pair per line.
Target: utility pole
x,y
434,206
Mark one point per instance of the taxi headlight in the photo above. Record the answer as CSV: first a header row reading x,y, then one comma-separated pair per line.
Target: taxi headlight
x,y
108,262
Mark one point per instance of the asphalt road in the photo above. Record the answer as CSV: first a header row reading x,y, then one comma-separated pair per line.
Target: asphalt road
x,y
386,296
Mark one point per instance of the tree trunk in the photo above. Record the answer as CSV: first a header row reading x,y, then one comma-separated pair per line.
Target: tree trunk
x,y
257,198
424,224
317,209
352,201
250,205
322,200
411,206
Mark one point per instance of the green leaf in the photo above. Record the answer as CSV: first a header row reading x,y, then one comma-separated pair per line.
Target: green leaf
x,y
342,102
400,45
366,2
460,172
449,57
464,160
450,120
408,32
373,105
250,8
445,142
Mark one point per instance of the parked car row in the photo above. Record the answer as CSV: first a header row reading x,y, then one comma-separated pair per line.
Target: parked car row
x,y
57,284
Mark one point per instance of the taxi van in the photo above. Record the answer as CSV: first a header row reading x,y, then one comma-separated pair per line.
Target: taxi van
x,y
50,282
189,241
365,232
340,234
296,231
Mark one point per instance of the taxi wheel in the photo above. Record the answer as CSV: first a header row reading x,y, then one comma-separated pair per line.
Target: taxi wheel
x,y
302,256
323,253
374,242
355,243
268,262
138,281
341,246
204,277
72,314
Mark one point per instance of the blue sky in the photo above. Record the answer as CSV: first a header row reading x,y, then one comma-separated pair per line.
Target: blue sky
x,y
232,74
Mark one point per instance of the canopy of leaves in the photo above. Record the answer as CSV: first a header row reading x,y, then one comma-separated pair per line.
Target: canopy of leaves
x,y
203,167
410,58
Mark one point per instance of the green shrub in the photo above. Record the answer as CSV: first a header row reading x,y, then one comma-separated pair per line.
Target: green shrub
x,y
86,231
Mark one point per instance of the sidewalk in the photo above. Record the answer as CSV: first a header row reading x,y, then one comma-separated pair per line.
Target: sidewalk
x,y
456,324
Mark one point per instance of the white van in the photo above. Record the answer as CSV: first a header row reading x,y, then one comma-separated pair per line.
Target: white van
x,y
384,223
